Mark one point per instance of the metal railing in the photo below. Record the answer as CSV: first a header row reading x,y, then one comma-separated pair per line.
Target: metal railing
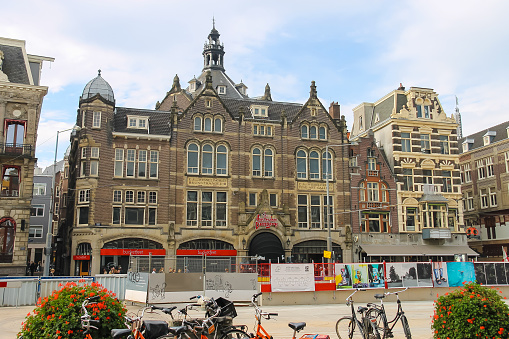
x,y
16,149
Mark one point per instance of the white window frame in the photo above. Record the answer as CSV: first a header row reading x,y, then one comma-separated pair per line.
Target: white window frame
x,y
507,159
137,122
37,207
117,196
119,163
130,159
94,168
84,196
481,169
470,200
129,197
259,111
142,163
490,171
493,196
39,188
94,152
152,197
483,197
221,89
153,162
96,120
468,173
37,234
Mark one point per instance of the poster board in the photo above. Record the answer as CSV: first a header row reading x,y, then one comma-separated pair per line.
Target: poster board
x,y
136,287
292,277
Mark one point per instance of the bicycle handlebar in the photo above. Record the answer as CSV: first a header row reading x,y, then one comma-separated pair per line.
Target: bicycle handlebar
x,y
351,295
396,293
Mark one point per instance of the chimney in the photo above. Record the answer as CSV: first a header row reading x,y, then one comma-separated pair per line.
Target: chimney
x,y
334,110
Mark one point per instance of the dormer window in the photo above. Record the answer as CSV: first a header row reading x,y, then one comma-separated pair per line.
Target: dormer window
x,y
467,145
192,87
137,122
423,108
488,137
260,111
221,89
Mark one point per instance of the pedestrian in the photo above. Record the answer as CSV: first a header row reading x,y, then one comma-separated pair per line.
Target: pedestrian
x,y
105,271
33,267
153,270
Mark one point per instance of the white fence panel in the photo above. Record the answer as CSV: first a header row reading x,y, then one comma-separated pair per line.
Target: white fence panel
x,y
18,291
115,283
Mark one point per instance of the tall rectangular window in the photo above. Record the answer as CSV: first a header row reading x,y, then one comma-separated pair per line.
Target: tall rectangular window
x,y
152,197
468,173
117,196
408,182
315,211
406,144
116,215
206,209
130,159
444,144
152,216
252,199
372,164
470,201
411,213
192,208
129,196
302,201
10,181
141,197
84,196
94,152
425,145
328,218
94,168
481,170
142,164
484,198
427,177
493,197
507,160
154,163
273,199
220,209
373,191
489,167
119,162
96,123
83,215
446,181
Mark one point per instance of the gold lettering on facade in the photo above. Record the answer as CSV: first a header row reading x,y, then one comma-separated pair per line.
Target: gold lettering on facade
x,y
311,186
207,182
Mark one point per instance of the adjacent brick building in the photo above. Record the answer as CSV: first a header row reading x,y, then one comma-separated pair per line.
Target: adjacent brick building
x,y
210,170
484,162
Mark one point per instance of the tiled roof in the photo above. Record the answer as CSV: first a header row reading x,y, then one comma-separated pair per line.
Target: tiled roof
x,y
14,64
159,121
219,78
274,108
501,134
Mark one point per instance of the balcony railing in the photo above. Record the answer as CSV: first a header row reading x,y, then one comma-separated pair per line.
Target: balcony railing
x,y
372,173
9,193
16,149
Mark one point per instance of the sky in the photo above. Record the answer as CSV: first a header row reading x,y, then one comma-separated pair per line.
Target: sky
x,y
355,51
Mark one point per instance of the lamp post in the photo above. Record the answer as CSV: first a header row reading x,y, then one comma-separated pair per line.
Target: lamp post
x,y
49,235
327,175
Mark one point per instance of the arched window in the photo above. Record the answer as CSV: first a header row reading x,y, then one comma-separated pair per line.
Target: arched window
x,y
192,159
314,165
304,132
257,162
206,156
302,172
322,133
221,160
207,125
326,165
218,125
312,132
268,163
7,234
197,123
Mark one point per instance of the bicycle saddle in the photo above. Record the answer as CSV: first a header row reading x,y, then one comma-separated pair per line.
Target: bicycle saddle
x,y
297,326
177,330
379,296
362,309
120,332
169,310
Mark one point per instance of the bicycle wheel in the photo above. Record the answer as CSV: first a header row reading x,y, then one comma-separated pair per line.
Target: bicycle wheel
x,y
235,334
380,322
406,327
346,328
370,328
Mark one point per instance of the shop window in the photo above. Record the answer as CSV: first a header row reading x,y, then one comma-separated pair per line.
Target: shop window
x,y
10,181
7,236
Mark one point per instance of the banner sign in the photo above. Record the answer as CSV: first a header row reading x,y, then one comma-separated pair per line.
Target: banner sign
x,y
132,251
292,277
265,221
80,257
215,253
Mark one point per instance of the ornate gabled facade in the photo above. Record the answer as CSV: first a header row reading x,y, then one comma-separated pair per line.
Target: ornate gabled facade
x,y
419,140
20,108
211,170
484,165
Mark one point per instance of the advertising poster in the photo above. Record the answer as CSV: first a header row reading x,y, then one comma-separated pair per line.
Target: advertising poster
x,y
376,275
410,274
440,274
491,276
424,274
360,275
136,287
394,275
500,273
292,277
460,272
480,273
343,276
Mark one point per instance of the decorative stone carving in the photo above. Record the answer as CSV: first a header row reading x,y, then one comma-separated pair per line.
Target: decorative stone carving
x,y
3,76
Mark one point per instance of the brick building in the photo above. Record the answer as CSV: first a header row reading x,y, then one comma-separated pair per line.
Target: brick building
x,y
484,162
210,170
20,108
373,201
420,144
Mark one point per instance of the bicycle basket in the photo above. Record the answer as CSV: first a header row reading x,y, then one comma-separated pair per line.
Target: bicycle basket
x,y
227,308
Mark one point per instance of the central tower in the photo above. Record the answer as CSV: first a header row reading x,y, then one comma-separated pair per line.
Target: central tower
x,y
213,51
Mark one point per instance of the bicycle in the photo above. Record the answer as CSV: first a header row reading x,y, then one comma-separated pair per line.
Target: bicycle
x,y
261,333
137,328
86,319
378,312
351,327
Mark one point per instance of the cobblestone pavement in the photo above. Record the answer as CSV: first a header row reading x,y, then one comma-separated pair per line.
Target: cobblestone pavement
x,y
319,318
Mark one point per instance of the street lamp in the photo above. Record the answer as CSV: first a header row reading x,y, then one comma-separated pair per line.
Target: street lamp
x,y
49,235
327,174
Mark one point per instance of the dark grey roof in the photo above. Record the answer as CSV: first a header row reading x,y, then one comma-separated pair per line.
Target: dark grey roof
x,y
98,86
14,64
501,134
218,78
274,108
159,121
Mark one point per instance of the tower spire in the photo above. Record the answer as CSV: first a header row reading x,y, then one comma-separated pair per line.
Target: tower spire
x,y
213,50
457,116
